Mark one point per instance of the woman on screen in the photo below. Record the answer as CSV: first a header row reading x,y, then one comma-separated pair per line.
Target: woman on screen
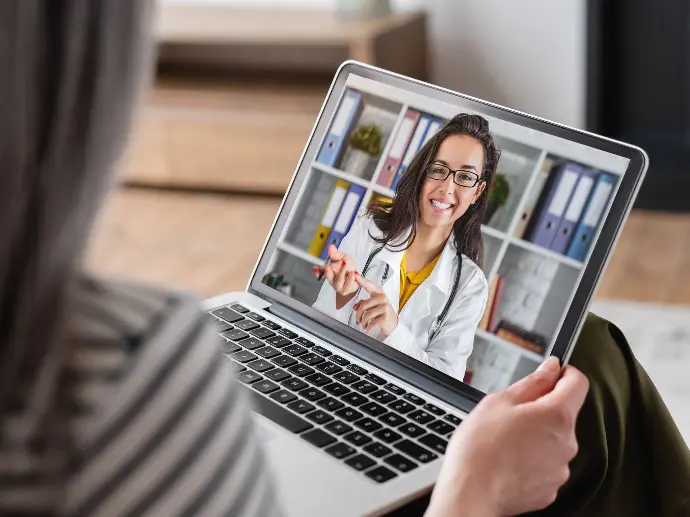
x,y
408,273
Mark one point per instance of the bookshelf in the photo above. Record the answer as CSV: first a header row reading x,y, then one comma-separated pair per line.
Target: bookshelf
x,y
524,153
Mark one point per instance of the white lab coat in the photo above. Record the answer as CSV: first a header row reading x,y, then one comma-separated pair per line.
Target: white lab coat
x,y
452,345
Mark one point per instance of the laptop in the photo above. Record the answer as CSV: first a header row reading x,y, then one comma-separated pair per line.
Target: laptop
x,y
352,425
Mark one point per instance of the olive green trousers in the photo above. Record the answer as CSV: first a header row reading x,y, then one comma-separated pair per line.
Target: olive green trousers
x,y
632,460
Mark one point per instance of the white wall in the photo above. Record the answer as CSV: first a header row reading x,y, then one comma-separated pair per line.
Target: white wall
x,y
525,54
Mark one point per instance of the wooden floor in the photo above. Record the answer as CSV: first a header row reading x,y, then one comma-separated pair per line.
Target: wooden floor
x,y
209,244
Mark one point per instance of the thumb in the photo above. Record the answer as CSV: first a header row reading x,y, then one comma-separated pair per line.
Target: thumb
x,y
334,253
537,384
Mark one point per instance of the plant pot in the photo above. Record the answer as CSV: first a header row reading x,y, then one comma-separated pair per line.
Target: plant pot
x,y
356,162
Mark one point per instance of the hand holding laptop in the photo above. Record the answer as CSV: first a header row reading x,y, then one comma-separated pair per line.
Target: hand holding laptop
x,y
511,454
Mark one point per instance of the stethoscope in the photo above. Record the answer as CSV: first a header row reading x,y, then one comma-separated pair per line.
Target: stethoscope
x,y
456,285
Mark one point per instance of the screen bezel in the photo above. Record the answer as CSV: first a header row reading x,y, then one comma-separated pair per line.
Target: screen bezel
x,y
572,323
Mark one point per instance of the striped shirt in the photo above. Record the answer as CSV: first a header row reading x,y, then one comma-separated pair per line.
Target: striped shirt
x,y
160,426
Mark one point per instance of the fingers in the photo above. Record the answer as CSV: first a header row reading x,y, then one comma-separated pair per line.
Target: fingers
x,y
537,384
570,391
334,253
366,315
344,281
375,323
364,305
368,285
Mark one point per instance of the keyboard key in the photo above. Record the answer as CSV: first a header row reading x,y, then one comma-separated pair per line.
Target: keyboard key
x,y
283,396
318,379
295,384
392,419
336,389
368,425
267,352
318,437
338,427
395,389
357,438
375,379
278,341
237,367
319,417
401,406
228,347
301,370
346,377
357,369
265,386
380,474
228,315
440,427
354,399
360,462
411,429
262,333
284,361
434,442
415,451
421,417
243,356
287,333
252,343
340,450
322,351
246,325
414,399
387,435
341,361
235,335
312,359
364,386
382,396
240,308
272,325
304,342
221,326
373,409
278,414
452,419
400,462
254,316
330,404
260,366
301,406
277,375
329,368
295,350
312,394
348,414
377,450
248,377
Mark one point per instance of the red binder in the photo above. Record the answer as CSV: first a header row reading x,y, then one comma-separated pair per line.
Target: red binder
x,y
397,150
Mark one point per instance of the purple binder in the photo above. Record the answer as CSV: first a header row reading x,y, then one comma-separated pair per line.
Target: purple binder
x,y
565,232
553,203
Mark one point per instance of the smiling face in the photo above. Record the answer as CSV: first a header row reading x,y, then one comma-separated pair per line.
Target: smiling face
x,y
442,202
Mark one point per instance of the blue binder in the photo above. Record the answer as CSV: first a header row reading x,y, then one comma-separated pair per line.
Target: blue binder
x,y
592,216
334,143
346,214
413,148
565,232
553,202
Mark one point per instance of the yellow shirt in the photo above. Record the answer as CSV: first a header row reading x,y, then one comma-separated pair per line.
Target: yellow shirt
x,y
409,281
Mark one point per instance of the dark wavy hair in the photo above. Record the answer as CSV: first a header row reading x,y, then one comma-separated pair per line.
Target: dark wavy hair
x,y
394,219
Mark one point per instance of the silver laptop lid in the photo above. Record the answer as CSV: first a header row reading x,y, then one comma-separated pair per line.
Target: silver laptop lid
x,y
551,215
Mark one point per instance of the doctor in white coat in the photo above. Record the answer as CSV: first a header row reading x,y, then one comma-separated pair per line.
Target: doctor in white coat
x,y
423,291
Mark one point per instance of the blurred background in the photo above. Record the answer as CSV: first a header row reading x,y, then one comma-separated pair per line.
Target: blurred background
x,y
239,83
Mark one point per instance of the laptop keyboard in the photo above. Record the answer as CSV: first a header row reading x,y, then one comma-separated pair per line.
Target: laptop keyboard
x,y
372,425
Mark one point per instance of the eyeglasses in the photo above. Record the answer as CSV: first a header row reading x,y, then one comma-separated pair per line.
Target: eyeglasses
x,y
461,177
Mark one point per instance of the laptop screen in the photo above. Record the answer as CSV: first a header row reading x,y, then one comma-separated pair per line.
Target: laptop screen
x,y
409,226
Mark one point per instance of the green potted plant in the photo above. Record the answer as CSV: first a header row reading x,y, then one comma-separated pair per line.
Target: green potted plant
x,y
366,143
498,195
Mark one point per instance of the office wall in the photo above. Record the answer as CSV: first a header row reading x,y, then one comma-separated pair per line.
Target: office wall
x,y
526,54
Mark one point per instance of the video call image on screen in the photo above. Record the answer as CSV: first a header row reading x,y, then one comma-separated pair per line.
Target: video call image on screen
x,y
383,164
